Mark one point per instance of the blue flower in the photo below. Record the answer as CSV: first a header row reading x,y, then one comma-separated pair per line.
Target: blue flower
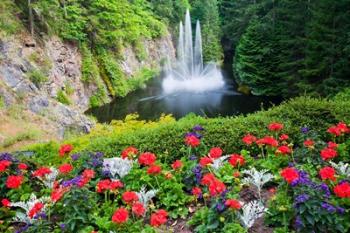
x,y
300,199
75,157
304,130
298,222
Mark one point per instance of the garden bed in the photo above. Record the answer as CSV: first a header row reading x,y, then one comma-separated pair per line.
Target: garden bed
x,y
273,183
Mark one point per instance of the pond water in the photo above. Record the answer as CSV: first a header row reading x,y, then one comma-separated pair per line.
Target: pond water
x,y
150,103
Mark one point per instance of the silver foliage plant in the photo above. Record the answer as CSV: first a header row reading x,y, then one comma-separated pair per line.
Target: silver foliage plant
x,y
145,196
49,179
27,206
257,178
251,212
117,166
342,168
219,162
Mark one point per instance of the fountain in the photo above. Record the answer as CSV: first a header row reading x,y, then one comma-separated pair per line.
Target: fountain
x,y
188,73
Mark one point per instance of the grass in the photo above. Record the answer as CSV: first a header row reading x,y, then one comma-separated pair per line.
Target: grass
x,y
23,136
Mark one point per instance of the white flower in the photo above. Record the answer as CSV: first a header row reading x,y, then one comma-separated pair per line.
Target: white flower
x,y
118,166
250,212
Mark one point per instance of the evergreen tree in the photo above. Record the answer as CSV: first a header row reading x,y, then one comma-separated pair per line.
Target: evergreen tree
x,y
207,12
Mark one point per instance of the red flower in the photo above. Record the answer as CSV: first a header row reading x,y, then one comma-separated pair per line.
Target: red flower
x,y
342,190
309,143
215,152
35,209
236,174
217,187
41,172
233,204
4,164
272,190
208,179
121,215
176,165
204,161
327,173
22,166
290,174
168,175
236,160
334,130
129,152
249,139
196,192
103,185
268,140
332,145
88,173
138,209
158,218
65,149
192,141
284,137
284,150
275,126
58,193
116,184
147,158
13,182
65,168
328,153
339,129
130,197
154,169
5,202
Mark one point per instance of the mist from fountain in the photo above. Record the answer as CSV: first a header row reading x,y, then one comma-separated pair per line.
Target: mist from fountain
x,y
188,73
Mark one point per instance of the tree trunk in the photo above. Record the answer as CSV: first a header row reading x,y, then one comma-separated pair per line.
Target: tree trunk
x,y
31,20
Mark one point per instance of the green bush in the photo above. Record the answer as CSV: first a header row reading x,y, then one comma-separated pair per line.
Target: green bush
x,y
63,98
166,138
37,77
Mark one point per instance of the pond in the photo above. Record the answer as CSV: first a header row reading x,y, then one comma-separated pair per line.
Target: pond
x,y
150,103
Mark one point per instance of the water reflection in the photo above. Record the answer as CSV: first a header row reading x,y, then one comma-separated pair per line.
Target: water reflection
x,y
150,103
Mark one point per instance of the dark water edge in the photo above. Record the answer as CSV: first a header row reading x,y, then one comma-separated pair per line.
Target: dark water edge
x,y
150,103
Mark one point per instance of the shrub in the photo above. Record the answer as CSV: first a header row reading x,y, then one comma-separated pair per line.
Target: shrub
x,y
165,135
37,77
63,98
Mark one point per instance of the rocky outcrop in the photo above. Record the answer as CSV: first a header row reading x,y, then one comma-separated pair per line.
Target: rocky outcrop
x,y
33,75
154,51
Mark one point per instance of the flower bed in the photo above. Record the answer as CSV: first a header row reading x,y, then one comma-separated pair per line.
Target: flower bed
x,y
273,184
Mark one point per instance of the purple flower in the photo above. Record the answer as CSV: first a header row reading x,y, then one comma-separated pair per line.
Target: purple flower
x,y
303,180
330,208
298,222
99,155
23,229
304,130
62,226
220,207
74,181
340,210
198,128
197,170
323,187
106,173
40,215
193,157
7,156
300,199
197,135
75,157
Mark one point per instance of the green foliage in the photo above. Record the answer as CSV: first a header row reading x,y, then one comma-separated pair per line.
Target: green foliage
x,y
165,135
2,102
9,23
37,77
170,11
207,13
63,98
289,47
